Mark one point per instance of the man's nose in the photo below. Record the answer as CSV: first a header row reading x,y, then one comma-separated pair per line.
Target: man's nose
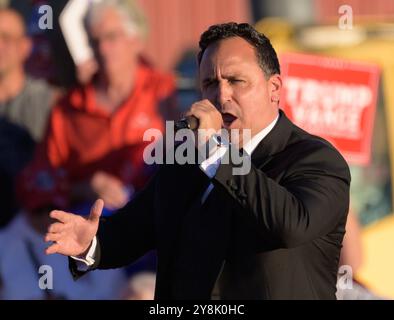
x,y
224,93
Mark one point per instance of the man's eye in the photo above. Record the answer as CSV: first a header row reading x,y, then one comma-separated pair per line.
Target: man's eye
x,y
235,80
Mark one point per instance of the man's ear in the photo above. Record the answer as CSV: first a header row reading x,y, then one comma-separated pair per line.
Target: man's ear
x,y
275,87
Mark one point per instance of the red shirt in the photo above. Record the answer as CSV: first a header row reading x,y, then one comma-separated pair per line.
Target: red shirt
x,y
83,138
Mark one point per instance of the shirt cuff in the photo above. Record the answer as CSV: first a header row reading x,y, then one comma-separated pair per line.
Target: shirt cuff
x,y
212,163
84,262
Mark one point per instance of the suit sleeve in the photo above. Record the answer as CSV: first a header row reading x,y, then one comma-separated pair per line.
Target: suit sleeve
x,y
130,233
309,201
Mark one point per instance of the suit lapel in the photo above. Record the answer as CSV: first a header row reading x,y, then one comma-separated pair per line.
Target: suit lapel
x,y
275,141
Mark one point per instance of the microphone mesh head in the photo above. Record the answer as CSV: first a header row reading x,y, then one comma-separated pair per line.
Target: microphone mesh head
x,y
190,122
193,122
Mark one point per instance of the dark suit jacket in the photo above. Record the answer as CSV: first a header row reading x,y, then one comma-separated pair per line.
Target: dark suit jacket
x,y
274,233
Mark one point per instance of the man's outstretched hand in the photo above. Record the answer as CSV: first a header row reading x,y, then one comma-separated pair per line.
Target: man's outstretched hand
x,y
73,234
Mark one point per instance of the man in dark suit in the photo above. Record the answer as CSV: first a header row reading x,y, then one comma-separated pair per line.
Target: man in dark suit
x,y
273,232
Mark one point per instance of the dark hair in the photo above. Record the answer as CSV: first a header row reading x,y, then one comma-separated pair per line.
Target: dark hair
x,y
266,55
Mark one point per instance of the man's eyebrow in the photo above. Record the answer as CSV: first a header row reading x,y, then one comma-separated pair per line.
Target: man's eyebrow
x,y
228,76
232,75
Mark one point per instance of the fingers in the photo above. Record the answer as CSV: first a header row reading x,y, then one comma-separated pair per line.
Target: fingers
x,y
56,227
209,117
115,197
110,189
53,249
200,108
60,215
52,237
96,210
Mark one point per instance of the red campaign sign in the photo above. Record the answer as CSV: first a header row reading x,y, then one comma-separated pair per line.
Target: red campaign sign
x,y
334,99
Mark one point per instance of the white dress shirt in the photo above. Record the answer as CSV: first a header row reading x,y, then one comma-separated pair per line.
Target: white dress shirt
x,y
209,166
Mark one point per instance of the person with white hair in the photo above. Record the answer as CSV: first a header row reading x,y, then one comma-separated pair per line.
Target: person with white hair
x,y
72,22
95,132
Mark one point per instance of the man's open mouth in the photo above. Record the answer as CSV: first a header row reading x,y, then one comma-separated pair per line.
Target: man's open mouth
x,y
228,119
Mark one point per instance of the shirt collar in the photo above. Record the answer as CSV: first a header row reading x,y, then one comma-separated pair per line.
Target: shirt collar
x,y
252,143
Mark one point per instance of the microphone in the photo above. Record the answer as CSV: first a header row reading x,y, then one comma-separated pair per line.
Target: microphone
x,y
189,122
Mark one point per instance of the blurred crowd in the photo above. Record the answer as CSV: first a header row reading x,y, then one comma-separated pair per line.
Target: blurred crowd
x,y
76,96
